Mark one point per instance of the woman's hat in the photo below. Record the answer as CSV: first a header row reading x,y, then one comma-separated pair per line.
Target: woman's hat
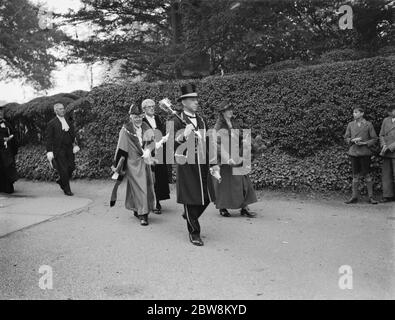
x,y
136,109
188,91
224,105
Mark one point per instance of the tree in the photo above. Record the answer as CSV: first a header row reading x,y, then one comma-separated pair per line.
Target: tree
x,y
164,38
24,46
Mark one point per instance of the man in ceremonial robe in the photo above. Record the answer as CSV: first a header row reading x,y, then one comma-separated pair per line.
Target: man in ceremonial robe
x,y
153,121
8,150
194,184
134,149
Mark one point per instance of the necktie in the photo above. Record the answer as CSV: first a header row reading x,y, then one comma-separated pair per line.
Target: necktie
x,y
65,126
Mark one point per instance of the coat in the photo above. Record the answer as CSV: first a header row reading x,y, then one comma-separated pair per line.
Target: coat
x,y
234,191
140,194
53,135
366,132
8,173
194,184
387,137
161,171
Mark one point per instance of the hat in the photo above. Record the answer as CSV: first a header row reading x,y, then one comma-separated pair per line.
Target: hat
x,y
136,109
188,91
224,105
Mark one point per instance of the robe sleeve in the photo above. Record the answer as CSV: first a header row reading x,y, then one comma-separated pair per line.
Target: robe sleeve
x,y
122,149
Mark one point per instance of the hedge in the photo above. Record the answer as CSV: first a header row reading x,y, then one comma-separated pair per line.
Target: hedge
x,y
302,111
30,119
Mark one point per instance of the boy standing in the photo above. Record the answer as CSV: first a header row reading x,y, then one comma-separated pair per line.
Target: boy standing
x,y
361,136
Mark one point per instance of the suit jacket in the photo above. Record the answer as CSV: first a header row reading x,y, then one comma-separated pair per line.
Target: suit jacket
x,y
53,135
366,132
387,136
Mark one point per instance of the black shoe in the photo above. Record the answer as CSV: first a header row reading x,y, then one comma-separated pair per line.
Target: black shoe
x,y
352,200
158,209
224,213
372,201
385,200
135,214
68,193
144,220
196,240
247,213
112,203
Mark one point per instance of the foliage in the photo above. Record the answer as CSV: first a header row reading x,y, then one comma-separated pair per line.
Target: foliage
x,y
302,111
161,38
30,119
24,46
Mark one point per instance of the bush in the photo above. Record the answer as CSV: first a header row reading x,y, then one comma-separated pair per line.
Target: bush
x,y
30,119
302,111
337,55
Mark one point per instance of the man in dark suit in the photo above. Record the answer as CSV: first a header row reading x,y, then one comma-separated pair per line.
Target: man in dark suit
x,y
61,147
162,190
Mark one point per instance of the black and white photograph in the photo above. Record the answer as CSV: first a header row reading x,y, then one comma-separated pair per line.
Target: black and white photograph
x,y
210,152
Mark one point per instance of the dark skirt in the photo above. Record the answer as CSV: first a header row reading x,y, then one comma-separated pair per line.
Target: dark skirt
x,y
234,192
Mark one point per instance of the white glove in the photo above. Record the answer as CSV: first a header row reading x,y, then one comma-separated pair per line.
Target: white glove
x,y
166,138
231,162
146,154
198,135
76,149
50,156
188,130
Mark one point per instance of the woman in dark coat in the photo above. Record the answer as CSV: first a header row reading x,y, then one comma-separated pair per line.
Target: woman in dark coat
x,y
8,150
233,191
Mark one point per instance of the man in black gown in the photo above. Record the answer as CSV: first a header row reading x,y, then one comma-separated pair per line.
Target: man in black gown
x,y
8,150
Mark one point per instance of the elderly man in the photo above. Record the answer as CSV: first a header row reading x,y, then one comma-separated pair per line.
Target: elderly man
x,y
162,191
61,147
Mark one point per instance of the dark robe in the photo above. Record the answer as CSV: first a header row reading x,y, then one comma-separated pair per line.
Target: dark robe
x,y
161,171
194,184
8,173
234,191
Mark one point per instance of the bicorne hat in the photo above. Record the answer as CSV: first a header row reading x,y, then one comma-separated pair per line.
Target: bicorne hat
x,y
224,105
188,91
136,109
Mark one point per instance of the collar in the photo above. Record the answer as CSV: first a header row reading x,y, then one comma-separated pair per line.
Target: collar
x,y
149,117
362,121
189,115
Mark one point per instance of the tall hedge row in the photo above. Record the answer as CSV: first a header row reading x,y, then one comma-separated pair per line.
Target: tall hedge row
x,y
303,112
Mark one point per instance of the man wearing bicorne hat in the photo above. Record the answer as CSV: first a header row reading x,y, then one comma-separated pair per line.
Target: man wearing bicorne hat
x,y
134,150
194,185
